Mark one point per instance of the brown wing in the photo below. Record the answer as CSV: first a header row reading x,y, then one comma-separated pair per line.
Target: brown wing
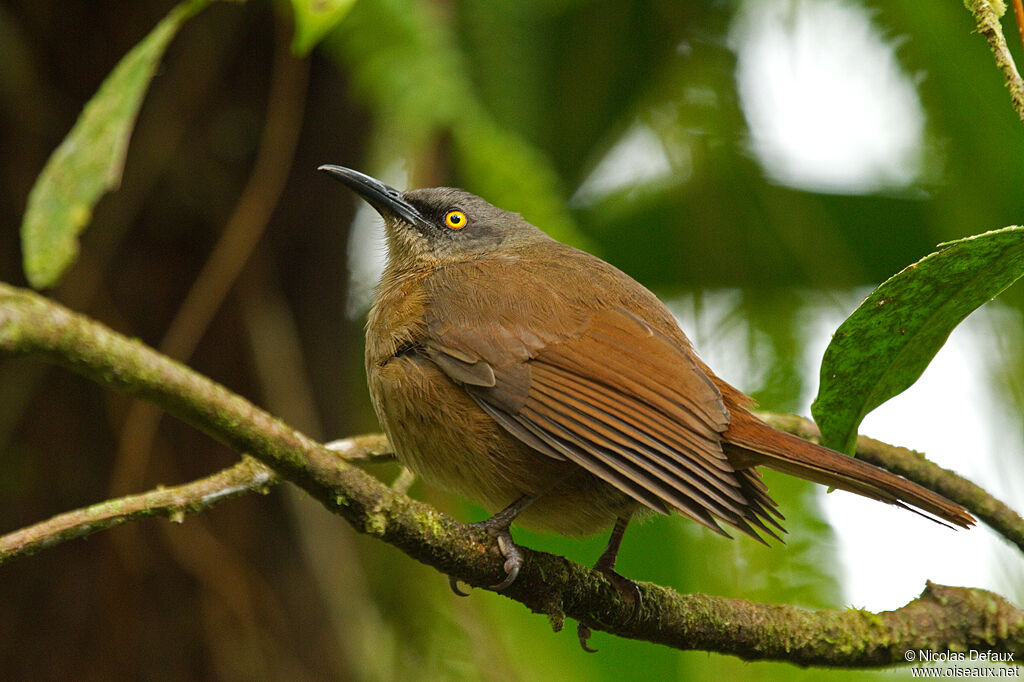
x,y
614,396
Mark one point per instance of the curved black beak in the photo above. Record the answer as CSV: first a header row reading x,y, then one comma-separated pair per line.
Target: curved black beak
x,y
386,200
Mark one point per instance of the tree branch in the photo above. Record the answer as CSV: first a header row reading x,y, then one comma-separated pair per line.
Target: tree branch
x,y
988,25
247,476
941,619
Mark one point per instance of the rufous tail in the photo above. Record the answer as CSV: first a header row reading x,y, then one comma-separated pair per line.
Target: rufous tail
x,y
751,442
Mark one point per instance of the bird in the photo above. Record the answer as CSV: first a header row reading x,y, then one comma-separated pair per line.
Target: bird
x,y
559,393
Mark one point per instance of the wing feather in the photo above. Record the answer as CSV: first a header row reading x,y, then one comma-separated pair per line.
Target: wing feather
x,y
673,466
569,445
652,423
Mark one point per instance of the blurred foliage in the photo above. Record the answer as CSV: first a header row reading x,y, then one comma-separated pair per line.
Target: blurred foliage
x,y
517,100
314,19
418,82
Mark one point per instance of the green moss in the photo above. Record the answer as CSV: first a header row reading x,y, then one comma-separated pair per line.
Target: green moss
x,y
430,523
376,523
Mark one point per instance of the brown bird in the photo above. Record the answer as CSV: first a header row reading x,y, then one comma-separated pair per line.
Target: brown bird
x,y
555,390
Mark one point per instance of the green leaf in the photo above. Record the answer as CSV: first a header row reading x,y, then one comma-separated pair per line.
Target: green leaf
x,y
89,161
314,19
880,350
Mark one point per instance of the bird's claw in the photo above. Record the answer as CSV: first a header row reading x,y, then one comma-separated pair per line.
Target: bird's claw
x,y
453,583
583,632
513,557
497,528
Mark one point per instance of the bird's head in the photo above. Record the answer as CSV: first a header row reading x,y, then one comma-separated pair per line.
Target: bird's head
x,y
439,224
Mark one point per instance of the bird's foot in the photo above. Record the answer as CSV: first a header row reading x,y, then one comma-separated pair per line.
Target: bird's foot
x,y
583,632
498,528
453,583
513,557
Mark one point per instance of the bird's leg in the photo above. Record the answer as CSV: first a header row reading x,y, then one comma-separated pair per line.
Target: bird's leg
x,y
498,528
606,565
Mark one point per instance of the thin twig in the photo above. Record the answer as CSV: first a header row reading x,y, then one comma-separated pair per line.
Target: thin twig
x,y
369,449
249,475
988,26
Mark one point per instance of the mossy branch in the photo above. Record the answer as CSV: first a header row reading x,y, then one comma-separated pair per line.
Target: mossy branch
x,y
247,476
941,619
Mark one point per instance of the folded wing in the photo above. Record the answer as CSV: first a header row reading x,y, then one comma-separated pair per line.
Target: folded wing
x,y
616,397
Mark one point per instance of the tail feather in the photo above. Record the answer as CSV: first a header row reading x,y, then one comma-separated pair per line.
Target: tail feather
x,y
750,442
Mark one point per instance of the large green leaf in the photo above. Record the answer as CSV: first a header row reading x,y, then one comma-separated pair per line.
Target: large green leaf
x,y
89,161
880,350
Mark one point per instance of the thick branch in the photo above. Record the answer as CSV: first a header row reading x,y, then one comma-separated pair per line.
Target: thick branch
x,y
942,618
988,26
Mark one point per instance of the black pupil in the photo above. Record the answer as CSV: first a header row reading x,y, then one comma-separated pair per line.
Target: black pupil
x,y
456,218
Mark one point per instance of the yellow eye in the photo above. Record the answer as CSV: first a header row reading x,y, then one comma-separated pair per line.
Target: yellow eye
x,y
455,219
